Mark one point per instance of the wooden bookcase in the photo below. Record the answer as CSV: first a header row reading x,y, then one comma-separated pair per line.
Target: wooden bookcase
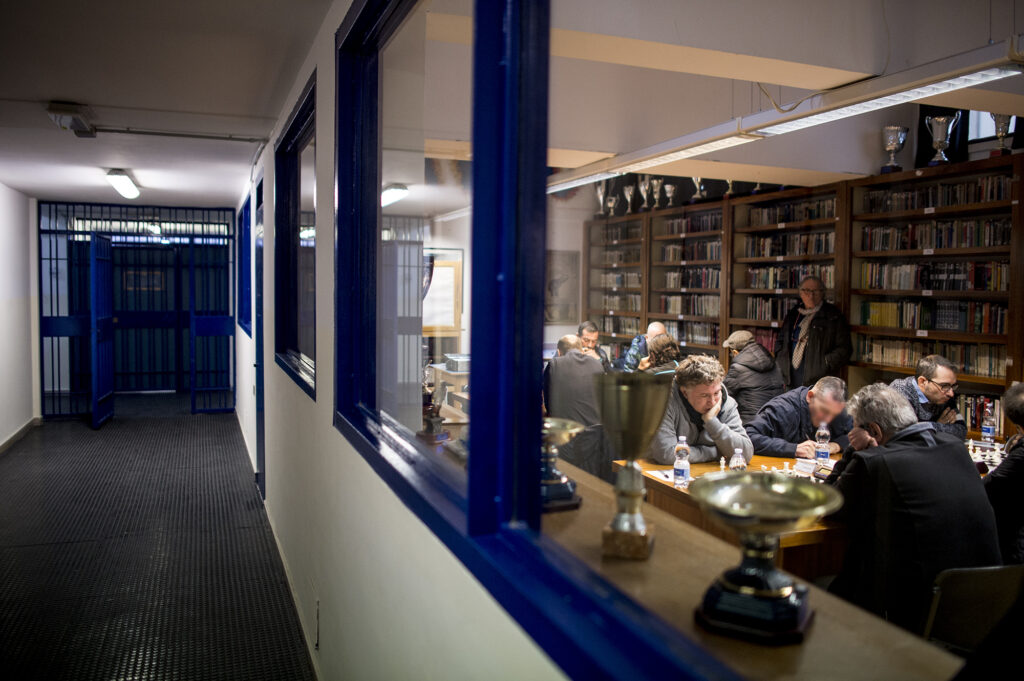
x,y
934,227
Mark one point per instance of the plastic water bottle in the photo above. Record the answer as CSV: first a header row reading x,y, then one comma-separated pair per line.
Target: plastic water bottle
x,y
681,469
821,443
737,462
988,424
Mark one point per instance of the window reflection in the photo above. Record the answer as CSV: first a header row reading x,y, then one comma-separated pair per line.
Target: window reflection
x,y
306,254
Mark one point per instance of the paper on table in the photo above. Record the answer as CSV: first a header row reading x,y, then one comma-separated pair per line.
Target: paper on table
x,y
666,475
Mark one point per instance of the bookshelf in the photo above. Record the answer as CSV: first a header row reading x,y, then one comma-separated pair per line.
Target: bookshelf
x,y
777,239
931,255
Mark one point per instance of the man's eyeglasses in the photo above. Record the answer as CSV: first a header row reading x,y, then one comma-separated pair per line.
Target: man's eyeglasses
x,y
944,387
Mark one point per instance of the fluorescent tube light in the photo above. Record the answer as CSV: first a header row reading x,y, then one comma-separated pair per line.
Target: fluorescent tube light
x,y
911,95
393,193
579,182
690,152
307,233
122,182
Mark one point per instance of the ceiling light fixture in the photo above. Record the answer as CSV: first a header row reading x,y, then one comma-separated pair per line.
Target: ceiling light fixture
x,y
579,182
392,193
122,182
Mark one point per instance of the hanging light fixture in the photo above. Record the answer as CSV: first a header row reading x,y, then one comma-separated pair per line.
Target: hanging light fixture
x,y
121,181
393,193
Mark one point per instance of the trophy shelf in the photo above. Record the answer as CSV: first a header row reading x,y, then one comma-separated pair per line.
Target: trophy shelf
x,y
796,225
981,167
931,334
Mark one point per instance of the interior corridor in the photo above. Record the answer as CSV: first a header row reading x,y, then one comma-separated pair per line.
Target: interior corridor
x,y
141,551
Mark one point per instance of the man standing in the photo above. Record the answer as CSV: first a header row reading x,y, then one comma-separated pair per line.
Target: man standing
x,y
638,348
588,335
787,424
814,340
931,393
701,409
914,506
569,383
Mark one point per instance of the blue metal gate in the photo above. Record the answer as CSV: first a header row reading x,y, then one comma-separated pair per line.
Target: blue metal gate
x,y
101,329
171,282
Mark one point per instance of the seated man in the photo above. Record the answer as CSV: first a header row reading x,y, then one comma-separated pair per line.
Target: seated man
x,y
914,505
1005,485
663,356
753,377
701,409
786,425
588,335
930,392
638,348
569,391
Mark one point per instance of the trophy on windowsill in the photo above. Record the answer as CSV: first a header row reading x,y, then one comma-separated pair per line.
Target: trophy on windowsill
x,y
557,492
631,406
1002,122
940,128
893,138
756,600
601,187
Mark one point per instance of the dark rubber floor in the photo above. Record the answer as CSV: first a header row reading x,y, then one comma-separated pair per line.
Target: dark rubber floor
x,y
141,551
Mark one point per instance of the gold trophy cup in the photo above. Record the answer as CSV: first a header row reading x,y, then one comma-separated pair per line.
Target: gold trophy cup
x,y
557,491
632,406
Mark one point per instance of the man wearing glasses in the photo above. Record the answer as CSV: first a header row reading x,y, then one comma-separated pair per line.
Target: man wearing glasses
x,y
814,340
932,394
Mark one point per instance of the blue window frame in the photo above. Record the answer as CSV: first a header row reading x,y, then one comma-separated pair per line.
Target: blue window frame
x,y
294,239
585,624
244,260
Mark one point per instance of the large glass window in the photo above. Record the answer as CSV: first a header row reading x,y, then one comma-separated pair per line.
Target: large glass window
x,y
244,261
295,243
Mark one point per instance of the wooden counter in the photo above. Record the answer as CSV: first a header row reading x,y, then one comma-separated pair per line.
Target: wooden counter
x,y
810,553
844,642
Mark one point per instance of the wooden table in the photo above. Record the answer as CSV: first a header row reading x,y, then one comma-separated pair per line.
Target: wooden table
x,y
810,553
844,642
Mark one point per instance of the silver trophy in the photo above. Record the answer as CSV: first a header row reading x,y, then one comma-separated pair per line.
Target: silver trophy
x,y
1002,122
700,194
656,190
645,190
940,128
893,137
757,189
628,191
670,192
601,188
612,202
728,188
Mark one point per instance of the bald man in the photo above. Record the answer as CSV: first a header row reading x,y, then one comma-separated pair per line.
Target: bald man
x,y
638,348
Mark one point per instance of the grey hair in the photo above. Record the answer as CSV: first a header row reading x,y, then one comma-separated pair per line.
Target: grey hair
x,y
883,406
831,387
699,370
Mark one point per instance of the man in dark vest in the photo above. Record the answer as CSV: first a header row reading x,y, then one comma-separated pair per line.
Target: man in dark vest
x,y
914,504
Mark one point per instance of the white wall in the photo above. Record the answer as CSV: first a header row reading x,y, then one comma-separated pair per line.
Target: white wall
x,y
394,603
565,233
16,313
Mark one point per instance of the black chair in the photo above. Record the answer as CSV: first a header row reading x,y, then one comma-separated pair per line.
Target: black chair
x,y
967,603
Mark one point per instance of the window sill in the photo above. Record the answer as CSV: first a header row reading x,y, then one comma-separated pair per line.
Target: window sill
x,y
300,372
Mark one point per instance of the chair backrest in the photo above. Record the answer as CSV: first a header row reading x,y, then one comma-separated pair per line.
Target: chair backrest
x,y
968,602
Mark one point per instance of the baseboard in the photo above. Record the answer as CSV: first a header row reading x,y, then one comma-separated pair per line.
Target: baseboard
x,y
20,433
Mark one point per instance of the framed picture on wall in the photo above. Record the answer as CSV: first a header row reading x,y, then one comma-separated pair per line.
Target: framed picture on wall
x,y
562,288
442,286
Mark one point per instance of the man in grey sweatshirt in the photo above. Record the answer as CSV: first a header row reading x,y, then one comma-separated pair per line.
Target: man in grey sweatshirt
x,y
700,408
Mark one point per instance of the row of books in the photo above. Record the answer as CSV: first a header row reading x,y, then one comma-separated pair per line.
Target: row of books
x,y
976,359
789,276
767,308
620,232
936,276
694,277
815,243
619,279
697,305
937,234
629,302
617,256
705,333
695,250
697,222
626,325
982,189
973,409
767,338
945,315
792,212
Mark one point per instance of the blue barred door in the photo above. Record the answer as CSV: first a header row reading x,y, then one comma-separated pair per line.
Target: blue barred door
x,y
101,328
211,327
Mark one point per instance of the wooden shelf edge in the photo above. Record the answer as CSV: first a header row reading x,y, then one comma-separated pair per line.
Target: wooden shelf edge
x,y
918,293
909,371
786,258
933,334
931,252
673,317
614,313
684,263
768,324
936,211
785,226
689,235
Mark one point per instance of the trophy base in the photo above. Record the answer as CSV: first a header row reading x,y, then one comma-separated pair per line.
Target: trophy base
x,y
997,153
629,545
891,169
559,496
766,620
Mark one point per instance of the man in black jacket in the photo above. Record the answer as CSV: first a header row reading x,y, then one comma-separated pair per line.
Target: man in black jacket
x,y
753,377
914,505
931,392
1005,485
814,340
787,424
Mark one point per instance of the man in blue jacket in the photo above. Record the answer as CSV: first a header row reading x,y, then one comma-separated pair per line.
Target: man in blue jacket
x,y
786,425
